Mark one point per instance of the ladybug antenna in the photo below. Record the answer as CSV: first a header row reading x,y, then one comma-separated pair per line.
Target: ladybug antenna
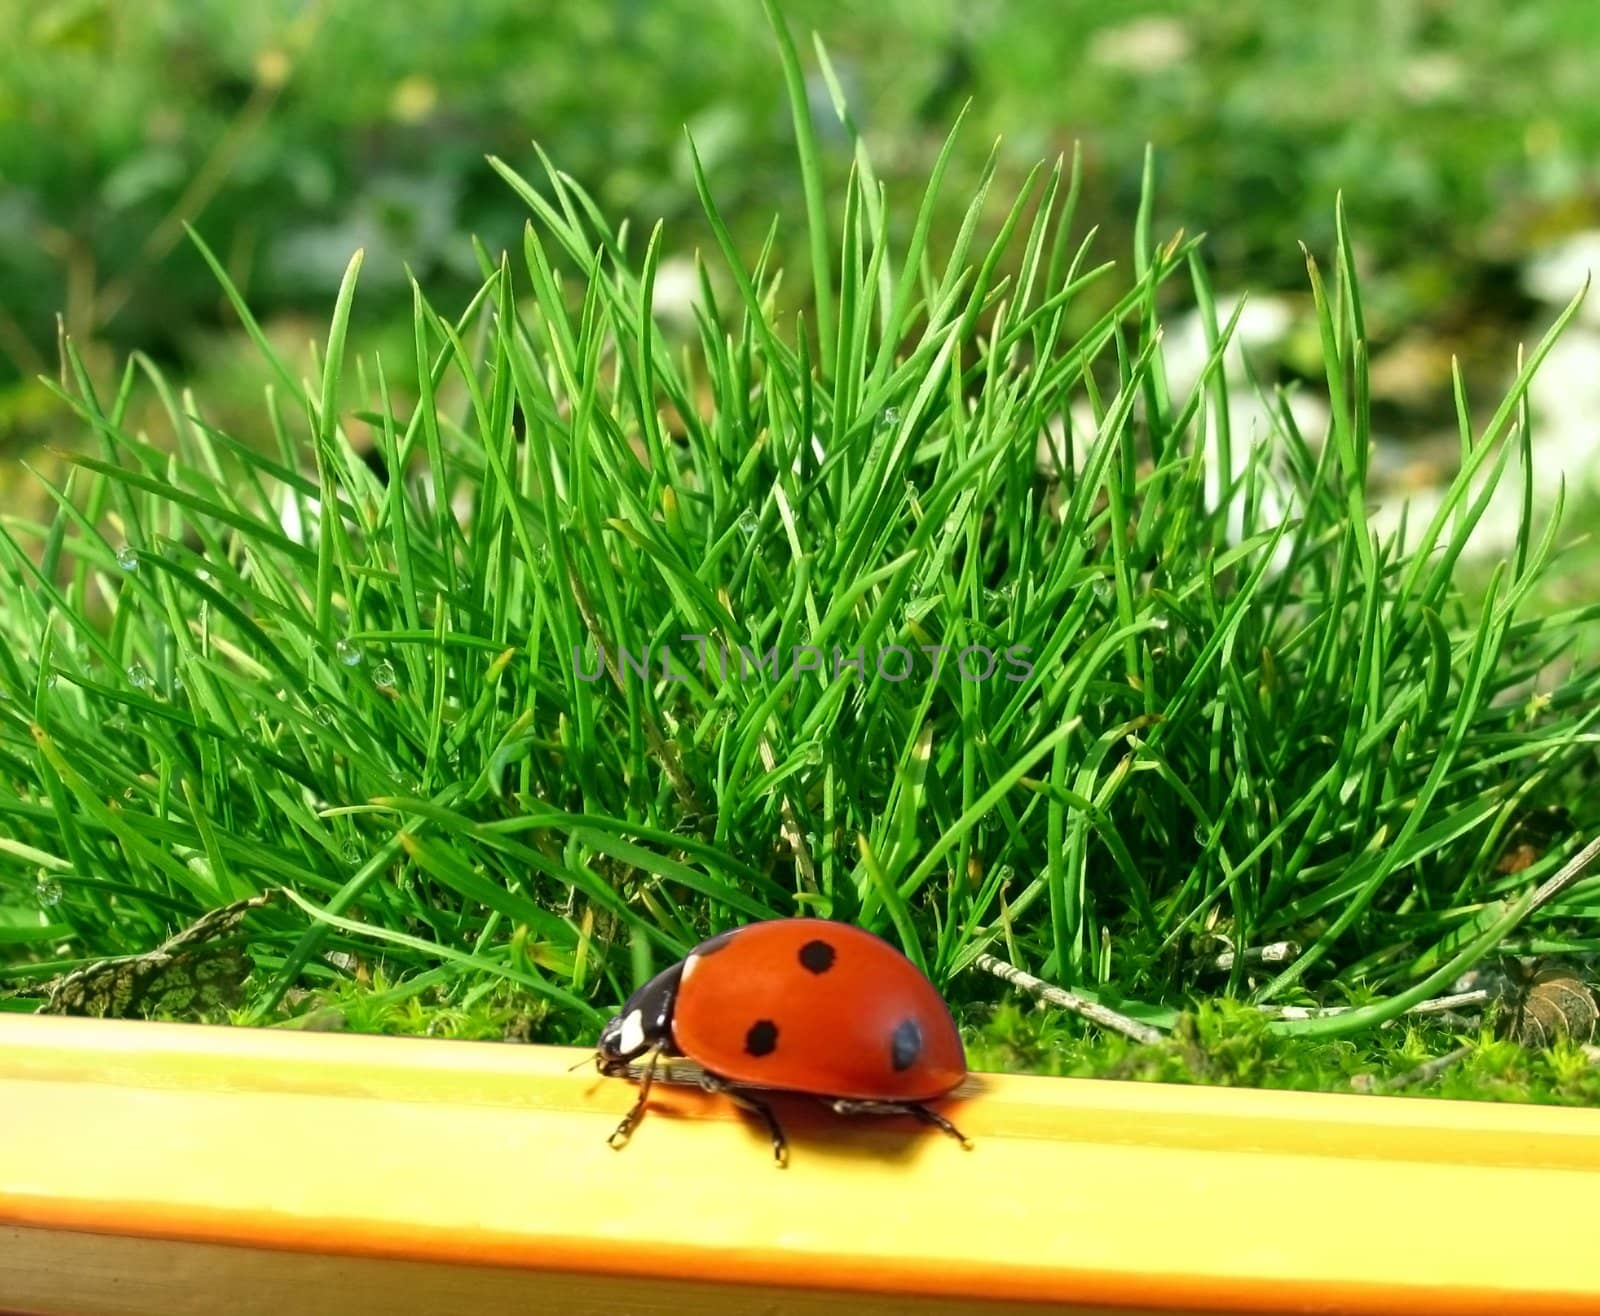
x,y
589,1059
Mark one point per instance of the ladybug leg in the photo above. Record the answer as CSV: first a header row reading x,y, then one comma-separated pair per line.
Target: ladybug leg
x,y
913,1108
631,1120
780,1144
938,1121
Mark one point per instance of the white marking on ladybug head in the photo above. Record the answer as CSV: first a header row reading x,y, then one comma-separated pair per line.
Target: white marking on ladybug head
x,y
631,1038
689,966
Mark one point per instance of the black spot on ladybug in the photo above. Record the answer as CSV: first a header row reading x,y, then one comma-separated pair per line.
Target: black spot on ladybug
x,y
713,944
906,1045
817,956
762,1039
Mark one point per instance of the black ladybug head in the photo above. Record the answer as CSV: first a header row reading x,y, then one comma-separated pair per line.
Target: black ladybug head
x,y
644,1024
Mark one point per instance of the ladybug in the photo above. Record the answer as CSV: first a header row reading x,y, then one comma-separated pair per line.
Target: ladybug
x,y
800,1005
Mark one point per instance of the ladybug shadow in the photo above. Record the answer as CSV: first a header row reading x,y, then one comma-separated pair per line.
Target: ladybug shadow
x,y
811,1128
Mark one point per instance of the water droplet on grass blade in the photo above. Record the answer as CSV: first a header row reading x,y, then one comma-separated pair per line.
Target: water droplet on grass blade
x,y
749,522
383,675
347,653
138,678
48,892
324,714
128,558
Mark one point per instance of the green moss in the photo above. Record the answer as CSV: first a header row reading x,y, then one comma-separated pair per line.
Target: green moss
x,y
1227,1043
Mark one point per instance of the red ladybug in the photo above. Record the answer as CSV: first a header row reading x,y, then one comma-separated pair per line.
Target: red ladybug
x,y
794,1005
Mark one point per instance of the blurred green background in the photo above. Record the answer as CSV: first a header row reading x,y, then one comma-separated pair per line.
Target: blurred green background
x,y
1465,135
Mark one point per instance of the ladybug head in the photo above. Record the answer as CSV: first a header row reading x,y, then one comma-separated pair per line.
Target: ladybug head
x,y
643,1025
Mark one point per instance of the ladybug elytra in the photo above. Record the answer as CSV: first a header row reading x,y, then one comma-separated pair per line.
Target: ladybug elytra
x,y
801,1005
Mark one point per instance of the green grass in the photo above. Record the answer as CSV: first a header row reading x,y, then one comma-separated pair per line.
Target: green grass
x,y
1234,722
299,130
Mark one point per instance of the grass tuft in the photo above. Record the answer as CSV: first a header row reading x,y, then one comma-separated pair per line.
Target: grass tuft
x,y
1160,690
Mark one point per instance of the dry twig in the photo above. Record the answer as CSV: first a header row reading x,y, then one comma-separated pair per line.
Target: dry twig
x,y
1278,952
1090,1010
1423,1073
